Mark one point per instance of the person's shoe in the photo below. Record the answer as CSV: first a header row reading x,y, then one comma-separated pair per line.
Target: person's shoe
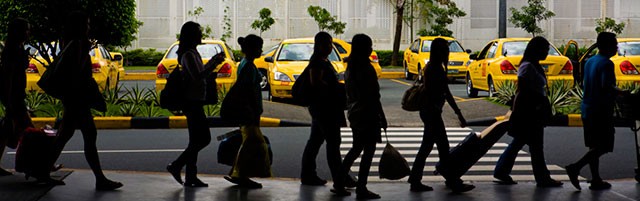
x,y
195,183
50,181
504,180
313,181
56,167
461,188
350,182
248,183
340,192
4,172
108,185
419,187
573,173
366,195
549,184
175,172
232,179
599,185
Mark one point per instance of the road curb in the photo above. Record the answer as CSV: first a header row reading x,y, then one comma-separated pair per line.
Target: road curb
x,y
165,122
569,120
139,76
152,76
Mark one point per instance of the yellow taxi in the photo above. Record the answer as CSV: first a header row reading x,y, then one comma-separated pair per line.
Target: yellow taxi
x,y
119,62
209,48
417,56
626,61
344,49
103,65
288,62
499,61
263,66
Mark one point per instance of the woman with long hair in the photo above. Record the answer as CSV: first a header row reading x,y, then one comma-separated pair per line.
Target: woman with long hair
x,y
195,74
437,91
528,117
365,113
78,97
15,60
253,157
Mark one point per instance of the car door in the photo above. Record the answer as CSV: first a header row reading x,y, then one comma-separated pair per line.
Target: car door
x,y
486,65
476,66
592,51
109,68
413,56
571,51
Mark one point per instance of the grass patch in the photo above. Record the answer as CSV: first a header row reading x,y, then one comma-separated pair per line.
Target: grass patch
x,y
392,67
149,68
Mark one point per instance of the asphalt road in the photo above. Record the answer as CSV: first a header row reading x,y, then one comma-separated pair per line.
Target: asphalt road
x,y
151,150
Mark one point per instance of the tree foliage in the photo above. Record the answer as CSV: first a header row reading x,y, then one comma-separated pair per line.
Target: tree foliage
x,y
325,20
439,16
528,17
609,25
113,22
265,21
207,32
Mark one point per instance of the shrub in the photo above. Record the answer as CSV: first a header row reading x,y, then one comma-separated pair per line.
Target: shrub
x,y
237,55
571,53
141,57
384,57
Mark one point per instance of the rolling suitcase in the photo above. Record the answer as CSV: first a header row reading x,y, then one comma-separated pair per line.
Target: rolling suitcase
x,y
470,150
33,151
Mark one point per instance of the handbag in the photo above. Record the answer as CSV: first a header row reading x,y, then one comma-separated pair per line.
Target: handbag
x,y
211,89
230,145
172,96
301,88
392,164
51,82
414,98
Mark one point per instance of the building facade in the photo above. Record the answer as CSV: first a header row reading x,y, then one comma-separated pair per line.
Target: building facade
x,y
575,19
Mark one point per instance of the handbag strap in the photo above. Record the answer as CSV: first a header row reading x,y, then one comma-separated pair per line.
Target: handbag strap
x,y
385,134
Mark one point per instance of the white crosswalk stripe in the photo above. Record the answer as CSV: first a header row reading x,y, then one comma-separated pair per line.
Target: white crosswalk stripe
x,y
407,141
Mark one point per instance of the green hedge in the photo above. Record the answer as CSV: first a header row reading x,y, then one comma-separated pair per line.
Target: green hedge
x,y
571,53
384,57
142,57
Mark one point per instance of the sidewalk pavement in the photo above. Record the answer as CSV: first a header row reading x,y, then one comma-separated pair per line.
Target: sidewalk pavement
x,y
141,186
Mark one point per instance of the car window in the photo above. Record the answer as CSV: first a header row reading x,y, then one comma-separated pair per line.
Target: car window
x,y
230,51
271,49
426,46
492,50
92,52
300,52
105,53
414,46
341,49
454,46
629,48
206,50
483,53
518,47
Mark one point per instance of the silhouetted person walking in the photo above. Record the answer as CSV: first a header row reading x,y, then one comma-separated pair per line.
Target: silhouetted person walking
x,y
327,116
530,114
600,91
437,90
365,113
253,157
194,74
80,95
14,63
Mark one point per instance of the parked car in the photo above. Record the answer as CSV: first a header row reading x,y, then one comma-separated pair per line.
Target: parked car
x,y
226,70
499,61
626,61
289,60
119,62
417,56
104,67
344,49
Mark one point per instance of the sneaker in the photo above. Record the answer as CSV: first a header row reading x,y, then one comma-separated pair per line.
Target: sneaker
x,y
504,180
549,184
108,185
340,192
599,185
313,181
419,187
461,188
573,173
366,195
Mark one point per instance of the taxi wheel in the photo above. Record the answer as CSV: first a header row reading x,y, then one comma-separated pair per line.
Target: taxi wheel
x,y
492,88
407,75
264,82
419,75
271,98
471,92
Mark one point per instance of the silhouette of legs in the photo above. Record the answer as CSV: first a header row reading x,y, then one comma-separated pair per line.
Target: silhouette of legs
x,y
308,175
199,138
